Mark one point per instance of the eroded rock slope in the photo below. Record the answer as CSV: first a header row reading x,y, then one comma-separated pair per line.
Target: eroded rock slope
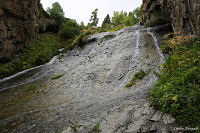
x,y
91,91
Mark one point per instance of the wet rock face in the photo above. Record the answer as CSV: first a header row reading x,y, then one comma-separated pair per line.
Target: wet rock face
x,y
92,89
184,15
20,21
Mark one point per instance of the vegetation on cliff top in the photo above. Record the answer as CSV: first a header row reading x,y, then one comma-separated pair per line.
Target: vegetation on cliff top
x,y
34,54
178,89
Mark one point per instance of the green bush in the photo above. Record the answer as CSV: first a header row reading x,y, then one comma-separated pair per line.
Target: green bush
x,y
30,88
34,54
69,29
177,91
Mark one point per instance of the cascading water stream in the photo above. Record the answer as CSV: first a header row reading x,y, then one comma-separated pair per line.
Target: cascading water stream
x,y
137,36
162,58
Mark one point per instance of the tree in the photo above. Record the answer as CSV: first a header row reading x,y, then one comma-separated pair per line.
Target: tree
x,y
115,18
137,13
69,29
106,23
131,20
119,18
94,20
56,12
82,24
125,18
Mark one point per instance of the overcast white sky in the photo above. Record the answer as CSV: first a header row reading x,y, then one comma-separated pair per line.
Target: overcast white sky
x,y
81,9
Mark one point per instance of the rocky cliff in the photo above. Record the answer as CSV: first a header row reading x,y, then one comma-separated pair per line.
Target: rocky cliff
x,y
20,22
184,15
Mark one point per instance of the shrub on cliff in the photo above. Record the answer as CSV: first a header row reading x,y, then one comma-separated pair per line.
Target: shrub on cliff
x,y
178,89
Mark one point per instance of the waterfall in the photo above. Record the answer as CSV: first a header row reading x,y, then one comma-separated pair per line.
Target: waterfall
x,y
162,58
137,36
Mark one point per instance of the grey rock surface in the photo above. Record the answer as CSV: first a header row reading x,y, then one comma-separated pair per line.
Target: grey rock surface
x,y
91,91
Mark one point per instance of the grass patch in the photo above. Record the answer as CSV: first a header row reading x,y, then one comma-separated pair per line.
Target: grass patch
x,y
56,77
177,90
36,53
60,56
139,75
116,28
81,40
75,127
30,88
96,128
108,36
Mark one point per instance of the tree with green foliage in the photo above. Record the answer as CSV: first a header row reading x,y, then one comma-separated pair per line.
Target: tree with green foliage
x,y
94,20
116,18
56,12
106,23
119,18
124,18
137,13
69,29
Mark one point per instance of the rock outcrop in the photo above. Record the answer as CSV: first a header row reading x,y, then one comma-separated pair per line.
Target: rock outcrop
x,y
184,15
20,22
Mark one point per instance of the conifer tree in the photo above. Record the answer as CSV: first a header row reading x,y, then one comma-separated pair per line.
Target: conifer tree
x,y
106,21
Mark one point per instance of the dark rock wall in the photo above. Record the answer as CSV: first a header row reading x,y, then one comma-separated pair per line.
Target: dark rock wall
x,y
20,22
184,15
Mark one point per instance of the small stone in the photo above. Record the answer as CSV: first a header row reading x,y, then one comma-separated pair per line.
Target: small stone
x,y
154,127
167,119
1,12
156,116
164,131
